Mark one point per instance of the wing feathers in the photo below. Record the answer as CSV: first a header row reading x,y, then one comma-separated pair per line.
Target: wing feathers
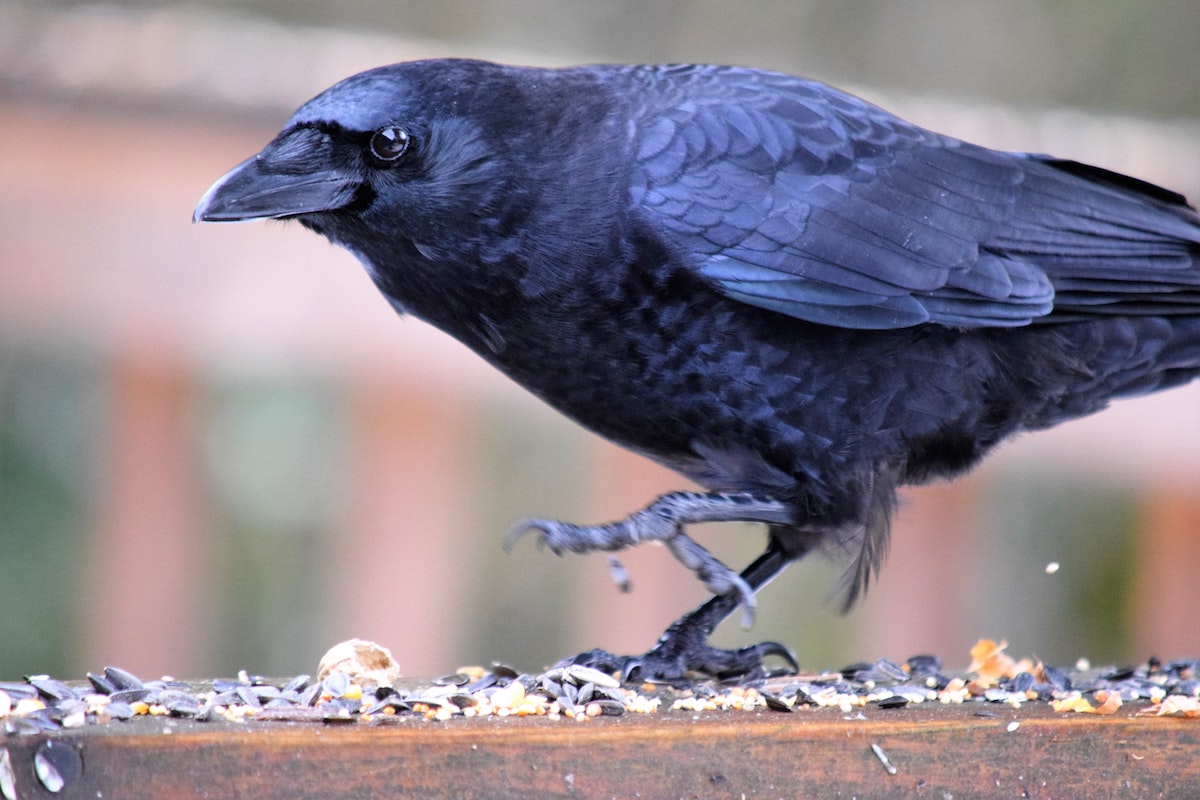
x,y
795,197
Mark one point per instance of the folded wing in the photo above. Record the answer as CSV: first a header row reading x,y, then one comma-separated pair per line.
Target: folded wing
x,y
792,196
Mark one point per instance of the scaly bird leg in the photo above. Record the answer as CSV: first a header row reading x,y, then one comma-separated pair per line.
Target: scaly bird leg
x,y
663,521
684,647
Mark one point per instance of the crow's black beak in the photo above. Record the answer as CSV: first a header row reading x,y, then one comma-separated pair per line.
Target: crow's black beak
x,y
268,187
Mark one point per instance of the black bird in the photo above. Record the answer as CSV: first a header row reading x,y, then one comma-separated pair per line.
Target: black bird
x,y
788,295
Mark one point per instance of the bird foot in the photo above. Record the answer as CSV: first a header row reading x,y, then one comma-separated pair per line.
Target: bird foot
x,y
677,667
663,521
683,650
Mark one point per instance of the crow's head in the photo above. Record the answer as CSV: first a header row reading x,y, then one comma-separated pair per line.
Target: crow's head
x,y
443,177
406,158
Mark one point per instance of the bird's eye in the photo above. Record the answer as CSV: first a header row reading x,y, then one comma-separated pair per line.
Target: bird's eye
x,y
390,143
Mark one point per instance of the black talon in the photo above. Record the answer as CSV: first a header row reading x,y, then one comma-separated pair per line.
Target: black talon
x,y
632,665
766,649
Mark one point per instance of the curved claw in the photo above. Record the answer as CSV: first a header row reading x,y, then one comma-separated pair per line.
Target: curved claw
x,y
765,649
632,664
523,527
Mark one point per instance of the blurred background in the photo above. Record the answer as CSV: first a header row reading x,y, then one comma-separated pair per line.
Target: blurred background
x,y
219,449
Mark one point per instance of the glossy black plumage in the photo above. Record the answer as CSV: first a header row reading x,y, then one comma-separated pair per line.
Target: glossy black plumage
x,y
794,298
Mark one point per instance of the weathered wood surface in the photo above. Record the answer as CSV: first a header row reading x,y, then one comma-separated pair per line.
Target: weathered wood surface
x,y
937,751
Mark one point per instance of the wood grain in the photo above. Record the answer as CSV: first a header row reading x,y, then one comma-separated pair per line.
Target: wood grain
x,y
972,750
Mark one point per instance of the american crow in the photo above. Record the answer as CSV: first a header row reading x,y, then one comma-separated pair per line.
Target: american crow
x,y
790,296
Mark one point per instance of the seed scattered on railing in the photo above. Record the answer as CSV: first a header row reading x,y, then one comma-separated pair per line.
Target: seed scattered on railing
x,y
44,704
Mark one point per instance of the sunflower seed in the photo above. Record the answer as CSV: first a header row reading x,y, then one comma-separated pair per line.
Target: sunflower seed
x,y
119,710
775,703
248,697
129,695
101,684
121,679
297,684
52,689
336,684
57,765
457,679
580,674
181,704
609,708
